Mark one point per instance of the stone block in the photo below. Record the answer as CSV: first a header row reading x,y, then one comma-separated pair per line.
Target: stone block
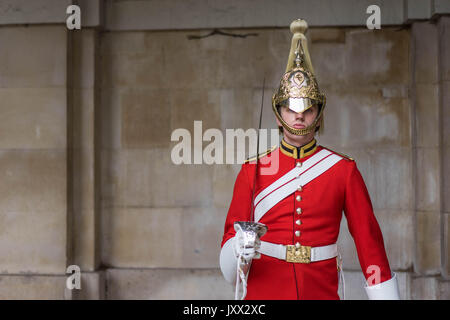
x,y
424,288
444,290
44,192
418,9
428,179
33,242
34,211
326,35
132,60
384,55
34,57
265,56
444,36
446,244
93,286
92,13
162,237
39,11
188,106
33,118
123,43
168,284
363,118
441,6
388,178
427,115
426,48
428,243
145,118
329,63
398,235
149,178
142,237
239,107
32,287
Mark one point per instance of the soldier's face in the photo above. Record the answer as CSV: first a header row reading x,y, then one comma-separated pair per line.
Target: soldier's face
x,y
298,121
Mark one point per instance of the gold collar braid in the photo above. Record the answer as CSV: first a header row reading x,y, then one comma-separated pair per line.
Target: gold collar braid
x,y
298,152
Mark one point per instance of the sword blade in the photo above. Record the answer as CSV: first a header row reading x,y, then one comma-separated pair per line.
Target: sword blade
x,y
252,213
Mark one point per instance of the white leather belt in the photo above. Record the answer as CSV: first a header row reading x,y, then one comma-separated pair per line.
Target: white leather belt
x,y
299,253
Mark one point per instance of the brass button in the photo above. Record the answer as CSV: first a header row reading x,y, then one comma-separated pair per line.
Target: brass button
x,y
299,188
298,198
298,222
297,245
299,210
298,164
297,233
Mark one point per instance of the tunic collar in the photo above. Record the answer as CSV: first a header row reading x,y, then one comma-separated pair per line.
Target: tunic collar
x,y
298,152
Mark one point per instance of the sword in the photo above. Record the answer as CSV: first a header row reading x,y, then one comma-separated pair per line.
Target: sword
x,y
252,230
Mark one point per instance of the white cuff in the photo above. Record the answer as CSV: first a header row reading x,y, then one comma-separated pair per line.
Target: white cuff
x,y
228,261
387,290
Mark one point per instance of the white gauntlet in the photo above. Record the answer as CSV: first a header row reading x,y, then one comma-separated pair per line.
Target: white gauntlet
x,y
387,290
246,244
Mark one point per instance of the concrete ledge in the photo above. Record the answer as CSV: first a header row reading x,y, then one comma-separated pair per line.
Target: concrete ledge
x,y
48,11
162,284
192,14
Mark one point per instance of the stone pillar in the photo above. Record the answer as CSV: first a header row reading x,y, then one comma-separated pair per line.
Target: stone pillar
x,y
430,50
425,101
444,90
85,169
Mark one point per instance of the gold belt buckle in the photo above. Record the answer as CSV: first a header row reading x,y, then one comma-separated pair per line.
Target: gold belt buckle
x,y
298,255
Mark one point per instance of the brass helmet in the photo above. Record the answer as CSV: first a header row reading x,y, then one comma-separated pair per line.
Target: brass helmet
x,y
298,88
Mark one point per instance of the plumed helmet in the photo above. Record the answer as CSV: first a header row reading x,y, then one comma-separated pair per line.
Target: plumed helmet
x,y
298,88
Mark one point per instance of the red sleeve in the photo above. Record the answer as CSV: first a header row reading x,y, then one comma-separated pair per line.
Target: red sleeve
x,y
364,228
240,206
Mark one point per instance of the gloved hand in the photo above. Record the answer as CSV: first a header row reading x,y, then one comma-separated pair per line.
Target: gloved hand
x,y
246,244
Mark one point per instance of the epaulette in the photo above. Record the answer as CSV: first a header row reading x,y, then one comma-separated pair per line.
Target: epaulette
x,y
260,155
341,154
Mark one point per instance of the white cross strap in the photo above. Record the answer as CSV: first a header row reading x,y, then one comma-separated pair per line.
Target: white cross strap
x,y
292,174
295,178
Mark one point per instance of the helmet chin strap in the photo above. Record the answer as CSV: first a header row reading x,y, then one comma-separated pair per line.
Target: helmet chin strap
x,y
298,132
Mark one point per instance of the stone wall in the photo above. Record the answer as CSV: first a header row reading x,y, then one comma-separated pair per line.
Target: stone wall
x,y
85,126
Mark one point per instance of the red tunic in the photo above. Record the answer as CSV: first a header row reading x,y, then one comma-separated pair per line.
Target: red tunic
x,y
341,188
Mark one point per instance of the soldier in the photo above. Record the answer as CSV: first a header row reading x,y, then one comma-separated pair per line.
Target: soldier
x,y
302,203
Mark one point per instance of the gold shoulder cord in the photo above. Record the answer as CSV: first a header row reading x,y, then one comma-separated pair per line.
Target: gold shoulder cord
x,y
341,154
261,154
